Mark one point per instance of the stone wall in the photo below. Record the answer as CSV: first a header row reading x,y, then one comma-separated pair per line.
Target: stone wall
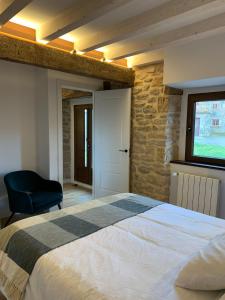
x,y
155,132
66,108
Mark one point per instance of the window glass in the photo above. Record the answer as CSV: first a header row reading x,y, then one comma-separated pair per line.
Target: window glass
x,y
85,138
209,129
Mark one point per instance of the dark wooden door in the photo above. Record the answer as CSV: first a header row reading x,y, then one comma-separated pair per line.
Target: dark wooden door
x,y
83,143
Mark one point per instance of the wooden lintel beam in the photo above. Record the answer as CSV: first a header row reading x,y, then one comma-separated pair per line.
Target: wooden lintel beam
x,y
22,51
68,94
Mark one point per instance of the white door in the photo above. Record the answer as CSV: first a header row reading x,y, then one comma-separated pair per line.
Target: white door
x,y
112,142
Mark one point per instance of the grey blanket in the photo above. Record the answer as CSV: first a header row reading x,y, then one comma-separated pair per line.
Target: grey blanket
x,y
26,245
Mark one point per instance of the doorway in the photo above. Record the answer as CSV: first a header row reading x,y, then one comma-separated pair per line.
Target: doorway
x,y
110,140
83,143
77,139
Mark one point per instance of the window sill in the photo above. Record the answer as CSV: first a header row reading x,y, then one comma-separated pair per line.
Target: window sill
x,y
200,165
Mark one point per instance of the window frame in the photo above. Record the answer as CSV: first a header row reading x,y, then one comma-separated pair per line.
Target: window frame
x,y
190,127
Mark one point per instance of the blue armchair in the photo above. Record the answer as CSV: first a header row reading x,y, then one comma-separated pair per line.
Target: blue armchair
x,y
29,193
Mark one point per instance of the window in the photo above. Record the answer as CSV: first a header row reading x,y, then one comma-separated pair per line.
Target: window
x,y
215,122
205,138
215,105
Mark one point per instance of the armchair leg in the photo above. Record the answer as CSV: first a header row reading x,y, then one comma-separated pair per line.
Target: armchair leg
x,y
9,219
59,206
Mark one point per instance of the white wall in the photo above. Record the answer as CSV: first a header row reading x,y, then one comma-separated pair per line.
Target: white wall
x,y
196,64
195,170
30,119
18,121
42,112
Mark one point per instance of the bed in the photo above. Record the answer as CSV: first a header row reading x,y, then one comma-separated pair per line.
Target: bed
x,y
134,256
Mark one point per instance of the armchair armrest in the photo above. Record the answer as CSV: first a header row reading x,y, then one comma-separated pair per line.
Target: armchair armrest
x,y
20,201
51,186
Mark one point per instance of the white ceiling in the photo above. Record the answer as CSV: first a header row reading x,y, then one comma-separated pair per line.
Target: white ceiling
x,y
40,12
131,9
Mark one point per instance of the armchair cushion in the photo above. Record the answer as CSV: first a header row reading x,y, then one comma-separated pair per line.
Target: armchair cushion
x,y
45,200
50,186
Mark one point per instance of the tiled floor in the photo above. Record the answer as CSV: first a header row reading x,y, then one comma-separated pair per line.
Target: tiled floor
x,y
72,195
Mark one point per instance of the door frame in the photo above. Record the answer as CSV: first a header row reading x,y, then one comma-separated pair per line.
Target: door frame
x,y
80,102
73,86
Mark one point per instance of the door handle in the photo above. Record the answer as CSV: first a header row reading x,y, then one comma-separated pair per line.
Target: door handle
x,y
121,150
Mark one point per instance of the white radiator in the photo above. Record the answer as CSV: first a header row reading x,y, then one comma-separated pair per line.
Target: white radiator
x,y
198,193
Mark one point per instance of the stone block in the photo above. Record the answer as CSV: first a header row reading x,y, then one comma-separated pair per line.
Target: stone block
x,y
155,133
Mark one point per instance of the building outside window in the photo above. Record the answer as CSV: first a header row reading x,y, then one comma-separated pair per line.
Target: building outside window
x,y
215,122
215,105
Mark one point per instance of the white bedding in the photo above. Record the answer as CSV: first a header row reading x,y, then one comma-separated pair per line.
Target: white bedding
x,y
137,258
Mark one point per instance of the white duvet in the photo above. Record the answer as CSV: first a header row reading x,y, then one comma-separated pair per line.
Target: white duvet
x,y
137,258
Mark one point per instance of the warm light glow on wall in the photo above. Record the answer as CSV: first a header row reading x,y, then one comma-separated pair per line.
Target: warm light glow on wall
x,y
32,33
129,62
68,37
101,49
80,52
108,60
44,42
24,22
19,21
104,51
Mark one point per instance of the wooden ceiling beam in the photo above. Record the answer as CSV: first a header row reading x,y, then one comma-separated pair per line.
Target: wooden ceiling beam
x,y
83,12
172,11
202,29
9,8
68,94
32,53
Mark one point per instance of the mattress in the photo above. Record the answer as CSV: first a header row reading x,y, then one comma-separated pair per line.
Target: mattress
x,y
136,258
